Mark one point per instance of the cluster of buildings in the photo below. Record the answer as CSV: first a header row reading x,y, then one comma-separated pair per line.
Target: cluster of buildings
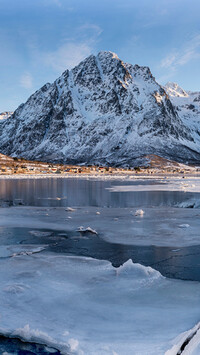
x,y
42,168
9,165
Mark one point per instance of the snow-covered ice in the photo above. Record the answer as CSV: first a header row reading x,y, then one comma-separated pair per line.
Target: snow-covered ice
x,y
185,225
70,209
85,306
192,203
82,229
139,213
190,184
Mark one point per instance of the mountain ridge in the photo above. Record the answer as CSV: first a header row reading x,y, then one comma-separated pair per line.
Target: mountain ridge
x,y
104,111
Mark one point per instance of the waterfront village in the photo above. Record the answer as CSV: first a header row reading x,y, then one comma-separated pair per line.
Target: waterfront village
x,y
156,164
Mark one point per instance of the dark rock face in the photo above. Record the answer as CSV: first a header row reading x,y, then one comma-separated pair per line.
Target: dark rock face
x,y
102,111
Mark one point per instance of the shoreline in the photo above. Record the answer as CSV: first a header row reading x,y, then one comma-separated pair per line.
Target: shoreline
x,y
130,176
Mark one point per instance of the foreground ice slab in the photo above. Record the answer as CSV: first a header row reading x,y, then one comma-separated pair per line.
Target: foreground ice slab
x,y
84,306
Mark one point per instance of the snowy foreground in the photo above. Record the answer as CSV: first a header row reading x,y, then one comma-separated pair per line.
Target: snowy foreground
x,y
84,306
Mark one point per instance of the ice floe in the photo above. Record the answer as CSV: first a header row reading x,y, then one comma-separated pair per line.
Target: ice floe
x,y
185,225
139,213
70,209
82,229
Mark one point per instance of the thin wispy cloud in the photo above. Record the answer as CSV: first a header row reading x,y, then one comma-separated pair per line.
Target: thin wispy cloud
x,y
70,51
57,2
93,28
66,56
176,58
86,33
26,81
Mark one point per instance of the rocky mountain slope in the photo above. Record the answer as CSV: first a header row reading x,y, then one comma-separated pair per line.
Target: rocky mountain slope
x,y
104,111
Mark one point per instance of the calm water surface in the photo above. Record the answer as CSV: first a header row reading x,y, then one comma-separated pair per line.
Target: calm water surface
x,y
60,192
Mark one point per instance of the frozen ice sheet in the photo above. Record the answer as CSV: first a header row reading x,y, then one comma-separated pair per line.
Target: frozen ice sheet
x,y
84,306
189,184
156,226
14,250
190,203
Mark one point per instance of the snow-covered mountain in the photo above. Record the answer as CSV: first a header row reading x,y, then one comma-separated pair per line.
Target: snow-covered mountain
x,y
187,105
104,111
5,115
174,90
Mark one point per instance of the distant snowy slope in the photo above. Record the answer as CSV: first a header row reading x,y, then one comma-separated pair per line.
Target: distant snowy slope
x,y
102,111
175,90
187,105
5,115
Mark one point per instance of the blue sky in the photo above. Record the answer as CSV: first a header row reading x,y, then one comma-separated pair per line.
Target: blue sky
x,y
39,39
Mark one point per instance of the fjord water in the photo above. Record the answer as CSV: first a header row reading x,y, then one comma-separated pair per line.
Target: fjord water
x,y
174,262
61,192
53,275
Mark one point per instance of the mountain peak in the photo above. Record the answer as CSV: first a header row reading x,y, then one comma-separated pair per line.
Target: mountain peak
x,y
103,56
173,89
107,54
102,111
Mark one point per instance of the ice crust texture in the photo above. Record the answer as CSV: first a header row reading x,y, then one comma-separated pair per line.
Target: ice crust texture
x,y
104,111
85,306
